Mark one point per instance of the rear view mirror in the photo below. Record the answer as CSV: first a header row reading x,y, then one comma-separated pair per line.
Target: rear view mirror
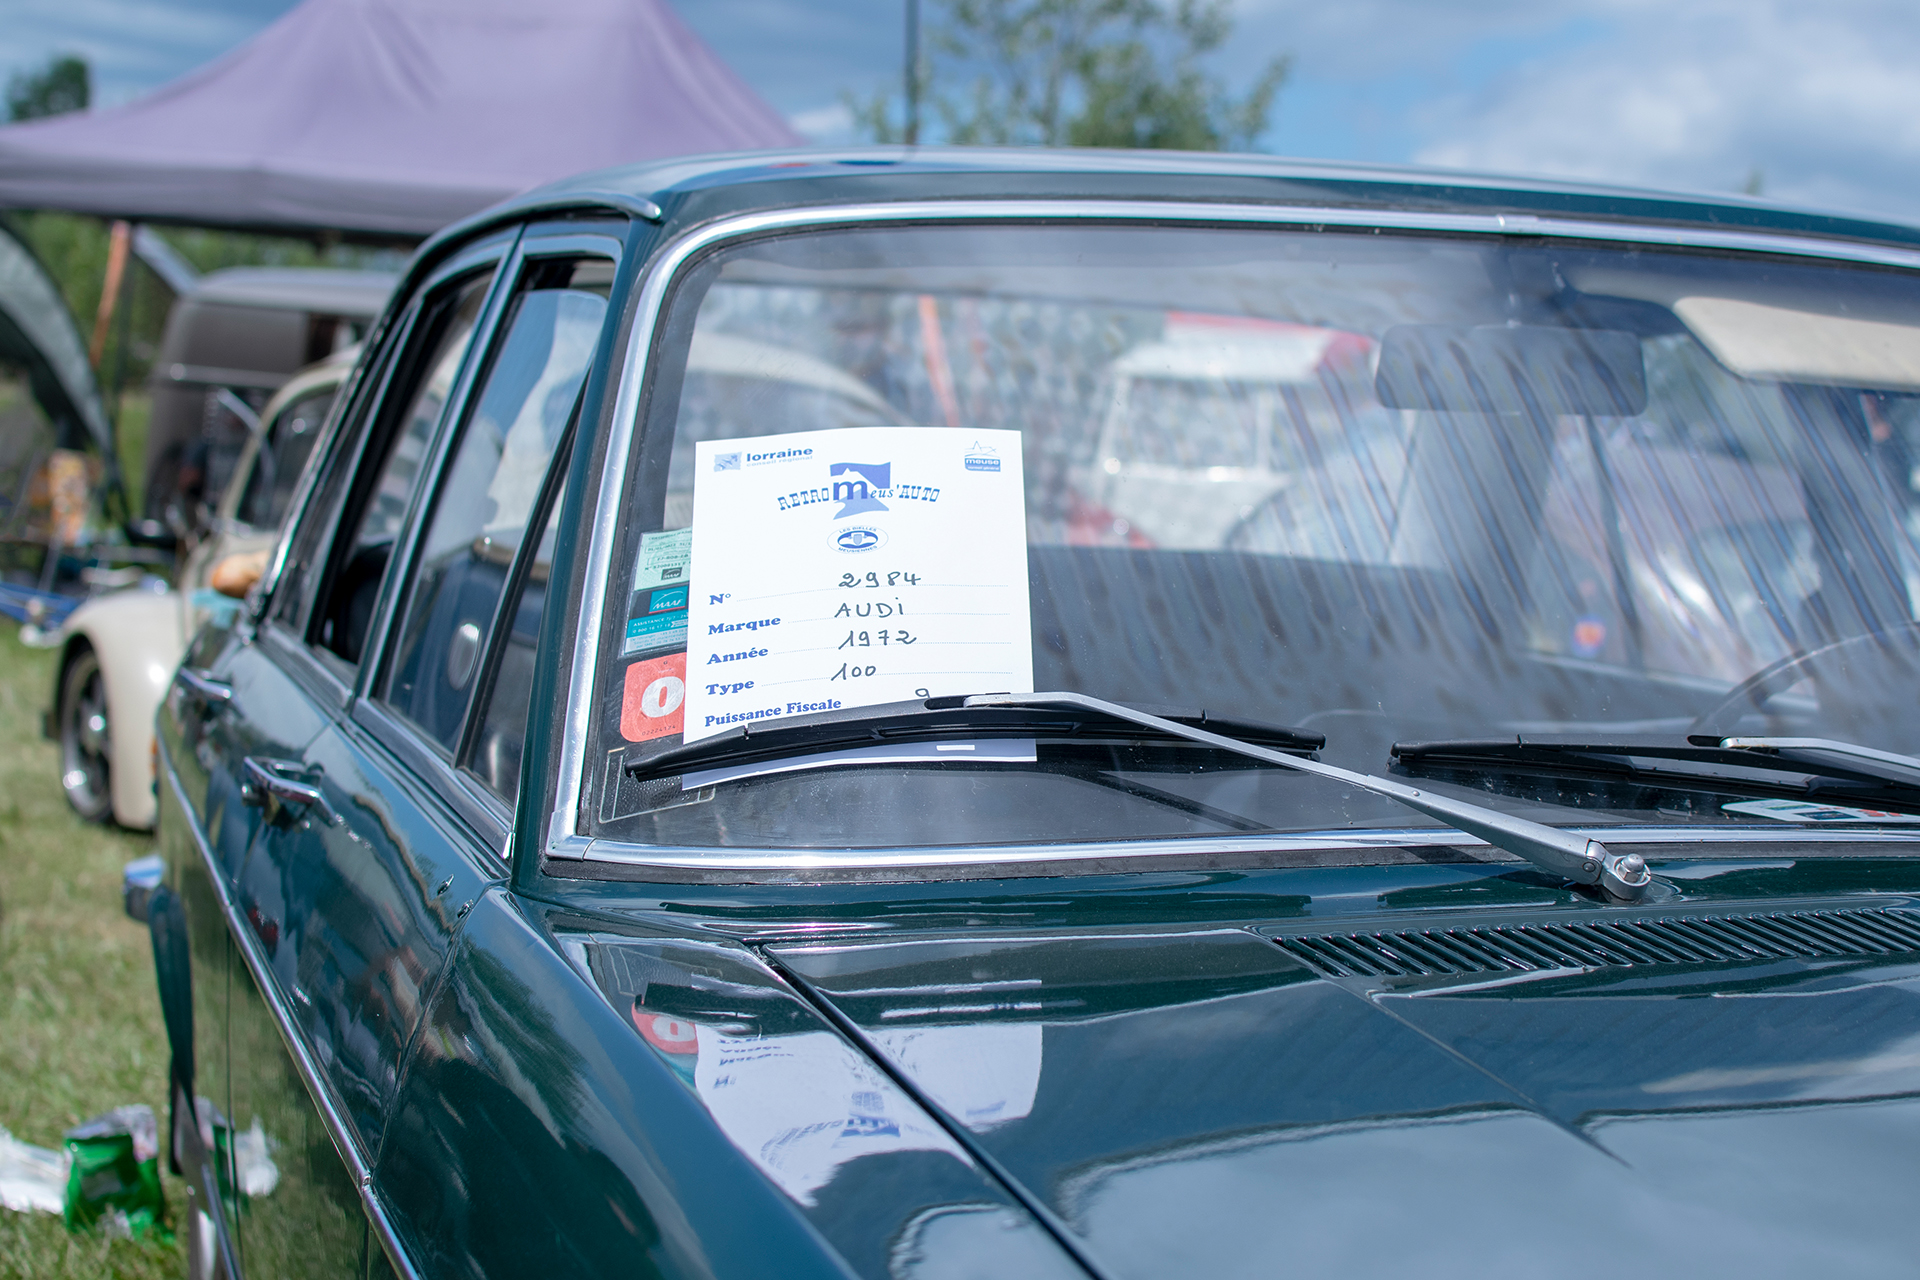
x,y
1511,369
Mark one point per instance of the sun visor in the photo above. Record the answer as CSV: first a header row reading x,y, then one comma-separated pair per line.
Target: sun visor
x,y
1511,369
1779,335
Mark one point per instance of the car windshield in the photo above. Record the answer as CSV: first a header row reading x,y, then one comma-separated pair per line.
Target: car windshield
x,y
1383,488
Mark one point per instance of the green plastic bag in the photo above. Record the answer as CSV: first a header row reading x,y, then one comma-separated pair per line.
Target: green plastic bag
x,y
115,1175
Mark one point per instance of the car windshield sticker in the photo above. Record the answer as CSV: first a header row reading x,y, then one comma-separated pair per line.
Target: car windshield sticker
x,y
1809,811
855,566
653,697
657,614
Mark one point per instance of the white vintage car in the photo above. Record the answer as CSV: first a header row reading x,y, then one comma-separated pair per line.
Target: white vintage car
x,y
118,651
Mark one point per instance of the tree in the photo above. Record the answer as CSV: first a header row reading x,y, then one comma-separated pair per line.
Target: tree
x,y
64,84
1086,73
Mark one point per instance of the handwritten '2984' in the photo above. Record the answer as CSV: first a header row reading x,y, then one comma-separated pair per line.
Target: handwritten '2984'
x,y
874,581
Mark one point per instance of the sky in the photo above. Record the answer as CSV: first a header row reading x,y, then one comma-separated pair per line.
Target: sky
x,y
1818,101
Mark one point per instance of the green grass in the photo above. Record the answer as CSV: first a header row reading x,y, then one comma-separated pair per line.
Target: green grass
x,y
136,410
80,1028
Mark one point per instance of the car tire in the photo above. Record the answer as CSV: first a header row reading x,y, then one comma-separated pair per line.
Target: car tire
x,y
86,741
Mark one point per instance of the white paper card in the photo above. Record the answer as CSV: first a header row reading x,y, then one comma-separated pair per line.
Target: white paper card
x,y
856,566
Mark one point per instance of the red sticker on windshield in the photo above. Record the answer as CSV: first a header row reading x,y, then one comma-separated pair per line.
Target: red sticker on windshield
x,y
655,692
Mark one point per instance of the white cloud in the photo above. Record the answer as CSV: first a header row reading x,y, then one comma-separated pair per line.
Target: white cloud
x,y
1821,98
830,124
1360,39
133,45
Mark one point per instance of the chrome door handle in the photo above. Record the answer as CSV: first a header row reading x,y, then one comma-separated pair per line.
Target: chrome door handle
x,y
215,693
264,778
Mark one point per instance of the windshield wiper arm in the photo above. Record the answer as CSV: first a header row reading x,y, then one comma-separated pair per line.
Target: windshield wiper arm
x,y
1623,876
946,719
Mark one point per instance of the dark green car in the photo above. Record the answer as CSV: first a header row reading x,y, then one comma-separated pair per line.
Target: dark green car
x,y
950,820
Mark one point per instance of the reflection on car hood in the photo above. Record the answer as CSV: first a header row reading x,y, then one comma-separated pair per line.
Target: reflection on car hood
x,y
1206,1104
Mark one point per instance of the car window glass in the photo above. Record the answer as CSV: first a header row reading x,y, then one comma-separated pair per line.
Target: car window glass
x,y
389,472
495,755
283,452
1384,490
488,492
300,579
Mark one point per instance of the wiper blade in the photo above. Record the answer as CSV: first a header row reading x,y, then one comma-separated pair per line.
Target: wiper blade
x,y
1638,759
1067,715
1620,875
1824,755
949,719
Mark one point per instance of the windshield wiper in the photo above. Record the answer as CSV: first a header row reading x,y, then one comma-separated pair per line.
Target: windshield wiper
x,y
1698,760
945,720
1577,858
1823,753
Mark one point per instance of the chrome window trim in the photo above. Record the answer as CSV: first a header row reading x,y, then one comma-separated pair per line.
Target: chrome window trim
x,y
390,332
536,243
698,858
318,1090
565,841
398,574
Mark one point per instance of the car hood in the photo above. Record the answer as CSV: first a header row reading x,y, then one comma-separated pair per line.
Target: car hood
x,y
1207,1103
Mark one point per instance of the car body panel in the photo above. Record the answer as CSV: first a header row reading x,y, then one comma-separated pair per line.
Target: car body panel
x,y
1211,1096
537,1131
356,914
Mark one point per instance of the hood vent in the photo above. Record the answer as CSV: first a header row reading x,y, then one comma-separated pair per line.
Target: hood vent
x,y
1522,948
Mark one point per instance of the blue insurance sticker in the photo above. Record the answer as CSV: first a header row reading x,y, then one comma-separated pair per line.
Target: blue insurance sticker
x,y
667,598
657,631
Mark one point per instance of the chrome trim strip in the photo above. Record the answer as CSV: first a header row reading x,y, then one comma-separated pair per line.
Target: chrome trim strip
x,y
576,724
317,1088
694,858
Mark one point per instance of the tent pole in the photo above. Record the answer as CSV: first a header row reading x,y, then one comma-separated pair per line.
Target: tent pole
x,y
129,288
117,247
913,73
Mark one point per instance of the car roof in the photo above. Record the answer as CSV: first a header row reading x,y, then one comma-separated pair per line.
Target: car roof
x,y
694,189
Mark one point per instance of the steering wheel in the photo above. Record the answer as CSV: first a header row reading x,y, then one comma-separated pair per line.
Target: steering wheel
x,y
1719,719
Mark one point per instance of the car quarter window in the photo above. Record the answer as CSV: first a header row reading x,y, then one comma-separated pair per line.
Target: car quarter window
x,y
488,495
494,756
382,485
283,452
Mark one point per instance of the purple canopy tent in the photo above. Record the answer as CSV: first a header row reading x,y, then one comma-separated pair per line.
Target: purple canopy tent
x,y
392,118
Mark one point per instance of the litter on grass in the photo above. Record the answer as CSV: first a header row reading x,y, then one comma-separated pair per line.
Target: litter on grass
x,y
32,1177
253,1166
115,1173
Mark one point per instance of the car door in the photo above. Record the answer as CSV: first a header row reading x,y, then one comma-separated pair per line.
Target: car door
x,y
230,701
380,840
290,1162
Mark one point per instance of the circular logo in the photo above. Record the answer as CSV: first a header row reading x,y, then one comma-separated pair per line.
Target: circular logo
x,y
663,697
859,538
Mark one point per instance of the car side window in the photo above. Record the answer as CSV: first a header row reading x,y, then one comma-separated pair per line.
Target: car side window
x,y
390,469
494,756
283,452
490,489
